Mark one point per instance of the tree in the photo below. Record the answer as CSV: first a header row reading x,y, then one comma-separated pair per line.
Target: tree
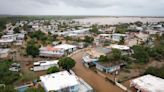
x,y
16,30
155,71
122,28
7,76
122,41
88,39
103,58
53,69
140,54
32,50
116,54
138,23
67,63
94,29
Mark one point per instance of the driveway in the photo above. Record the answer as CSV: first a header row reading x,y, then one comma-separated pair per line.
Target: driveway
x,y
98,83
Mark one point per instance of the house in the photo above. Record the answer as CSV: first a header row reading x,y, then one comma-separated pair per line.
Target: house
x,y
44,65
91,56
54,43
123,48
4,53
57,51
89,61
64,81
107,67
7,40
19,39
148,83
117,37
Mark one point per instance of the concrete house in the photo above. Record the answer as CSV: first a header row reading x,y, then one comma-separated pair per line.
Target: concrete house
x,y
57,51
117,37
64,82
4,53
44,65
148,83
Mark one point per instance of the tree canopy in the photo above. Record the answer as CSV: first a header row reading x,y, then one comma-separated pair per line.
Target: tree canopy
x,y
94,29
103,58
32,49
7,76
16,30
140,54
53,69
66,63
155,71
88,39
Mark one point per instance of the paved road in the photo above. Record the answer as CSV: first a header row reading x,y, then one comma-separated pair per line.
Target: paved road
x,y
97,82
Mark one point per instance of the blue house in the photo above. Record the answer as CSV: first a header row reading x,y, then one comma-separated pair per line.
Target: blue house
x,y
107,67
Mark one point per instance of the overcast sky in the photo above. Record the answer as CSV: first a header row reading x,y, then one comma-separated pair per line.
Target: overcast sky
x,y
83,7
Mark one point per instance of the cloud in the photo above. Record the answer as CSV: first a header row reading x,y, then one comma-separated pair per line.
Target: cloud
x,y
83,7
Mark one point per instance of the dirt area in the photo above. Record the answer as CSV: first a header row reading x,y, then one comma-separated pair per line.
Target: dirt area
x,y
98,83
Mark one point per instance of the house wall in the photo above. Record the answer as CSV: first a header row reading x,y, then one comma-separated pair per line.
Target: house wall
x,y
107,69
3,55
40,68
99,67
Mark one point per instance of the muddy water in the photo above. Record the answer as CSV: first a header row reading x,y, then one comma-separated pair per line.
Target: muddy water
x,y
98,83
116,20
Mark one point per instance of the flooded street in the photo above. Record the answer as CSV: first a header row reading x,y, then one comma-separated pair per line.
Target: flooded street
x,y
98,83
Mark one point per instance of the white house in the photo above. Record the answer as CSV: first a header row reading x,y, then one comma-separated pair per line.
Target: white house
x,y
44,65
117,37
64,82
57,51
148,83
4,53
14,38
123,48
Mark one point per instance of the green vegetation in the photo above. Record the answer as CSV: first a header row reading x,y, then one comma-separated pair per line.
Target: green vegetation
x,y
7,76
7,88
68,38
40,36
94,29
122,41
16,30
32,49
66,63
122,28
115,55
88,39
53,69
159,72
140,54
35,90
103,58
138,23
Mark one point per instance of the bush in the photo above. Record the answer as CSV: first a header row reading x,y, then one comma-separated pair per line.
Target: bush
x,y
32,50
67,63
155,71
7,88
88,39
35,90
53,69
